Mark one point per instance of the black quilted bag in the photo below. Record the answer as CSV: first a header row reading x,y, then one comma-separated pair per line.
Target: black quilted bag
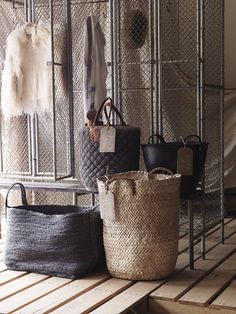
x,y
93,163
64,241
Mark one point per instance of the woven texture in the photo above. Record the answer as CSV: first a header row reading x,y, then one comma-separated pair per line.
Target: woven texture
x,y
94,164
142,242
63,241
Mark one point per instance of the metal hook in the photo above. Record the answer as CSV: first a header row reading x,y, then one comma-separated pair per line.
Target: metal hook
x,y
105,11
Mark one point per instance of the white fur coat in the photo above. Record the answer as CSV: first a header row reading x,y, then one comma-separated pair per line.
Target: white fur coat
x,y
27,76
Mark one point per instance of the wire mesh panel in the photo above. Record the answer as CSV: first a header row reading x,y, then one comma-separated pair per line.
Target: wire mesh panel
x,y
213,16
190,86
133,47
54,129
80,11
14,153
178,68
164,60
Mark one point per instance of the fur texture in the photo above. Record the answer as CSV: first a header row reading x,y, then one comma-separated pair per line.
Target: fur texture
x,y
27,77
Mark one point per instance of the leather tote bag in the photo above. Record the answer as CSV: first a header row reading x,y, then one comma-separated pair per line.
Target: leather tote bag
x,y
94,163
64,241
165,154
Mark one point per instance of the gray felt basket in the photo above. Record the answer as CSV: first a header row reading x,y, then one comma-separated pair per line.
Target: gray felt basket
x,y
63,241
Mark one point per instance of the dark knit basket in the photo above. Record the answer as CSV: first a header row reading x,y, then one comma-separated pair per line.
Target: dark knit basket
x,y
64,241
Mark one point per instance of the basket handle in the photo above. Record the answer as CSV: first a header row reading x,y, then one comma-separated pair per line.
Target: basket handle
x,y
108,103
161,170
187,138
160,137
23,194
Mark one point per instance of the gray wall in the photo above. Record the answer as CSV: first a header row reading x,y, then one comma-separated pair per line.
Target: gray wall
x,y
230,43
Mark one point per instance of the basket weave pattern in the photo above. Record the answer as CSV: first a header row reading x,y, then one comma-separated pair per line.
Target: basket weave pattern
x,y
142,242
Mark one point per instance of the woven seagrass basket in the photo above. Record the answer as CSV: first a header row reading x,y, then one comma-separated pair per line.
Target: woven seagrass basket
x,y
141,243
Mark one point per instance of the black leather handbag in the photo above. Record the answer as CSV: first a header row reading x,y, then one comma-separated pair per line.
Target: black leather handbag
x,y
165,154
93,163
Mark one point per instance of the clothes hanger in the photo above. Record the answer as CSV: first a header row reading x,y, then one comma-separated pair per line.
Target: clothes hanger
x,y
33,26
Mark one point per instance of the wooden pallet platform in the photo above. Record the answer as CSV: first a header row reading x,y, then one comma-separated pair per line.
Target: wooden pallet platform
x,y
209,288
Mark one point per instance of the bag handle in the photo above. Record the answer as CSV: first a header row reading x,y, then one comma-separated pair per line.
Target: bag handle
x,y
161,138
187,138
108,102
161,170
23,194
113,108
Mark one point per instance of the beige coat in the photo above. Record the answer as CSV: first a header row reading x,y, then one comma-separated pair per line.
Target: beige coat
x,y
27,75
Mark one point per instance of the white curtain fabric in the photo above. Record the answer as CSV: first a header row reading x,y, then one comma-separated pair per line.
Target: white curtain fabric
x,y
230,140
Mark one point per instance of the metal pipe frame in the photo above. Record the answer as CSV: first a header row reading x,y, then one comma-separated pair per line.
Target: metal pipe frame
x,y
222,125
159,89
191,234
151,79
112,49
67,5
201,94
26,10
53,90
117,39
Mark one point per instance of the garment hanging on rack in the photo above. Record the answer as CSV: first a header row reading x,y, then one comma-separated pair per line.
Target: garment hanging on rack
x,y
27,76
95,68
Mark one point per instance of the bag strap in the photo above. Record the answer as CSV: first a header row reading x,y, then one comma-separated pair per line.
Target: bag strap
x,y
161,138
23,194
188,138
161,170
113,108
108,103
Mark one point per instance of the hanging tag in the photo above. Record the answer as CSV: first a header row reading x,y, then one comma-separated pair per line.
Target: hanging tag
x,y
185,161
107,205
107,140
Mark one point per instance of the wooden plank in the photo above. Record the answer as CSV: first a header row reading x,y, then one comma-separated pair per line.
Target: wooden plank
x,y
9,275
211,285
97,296
184,281
27,296
19,284
65,294
167,307
2,267
227,299
128,298
132,295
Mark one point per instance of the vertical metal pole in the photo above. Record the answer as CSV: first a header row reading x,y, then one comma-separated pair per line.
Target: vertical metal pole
x,y
199,68
67,4
26,10
222,126
112,21
30,11
33,11
115,49
159,98
200,97
190,234
33,146
93,199
53,90
1,151
151,40
75,199
203,234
